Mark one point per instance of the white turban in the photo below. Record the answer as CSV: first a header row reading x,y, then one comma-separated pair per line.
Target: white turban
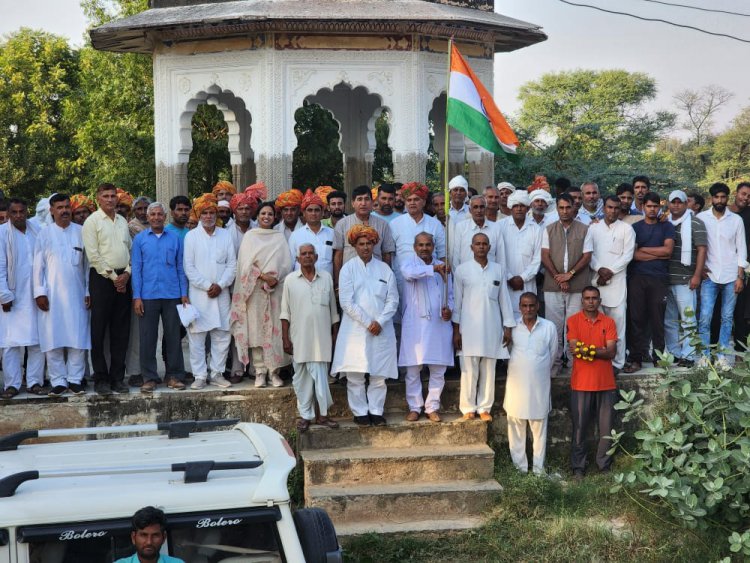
x,y
458,182
519,197
223,203
540,194
506,186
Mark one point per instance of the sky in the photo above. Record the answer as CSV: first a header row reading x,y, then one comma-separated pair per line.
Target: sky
x,y
578,38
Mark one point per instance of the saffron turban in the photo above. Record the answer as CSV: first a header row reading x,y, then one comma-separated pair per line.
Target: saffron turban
x,y
311,198
289,198
323,192
359,231
258,191
374,192
539,183
224,185
79,200
519,197
458,182
206,201
124,198
244,198
414,188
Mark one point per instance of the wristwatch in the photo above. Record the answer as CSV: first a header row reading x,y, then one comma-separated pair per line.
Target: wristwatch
x,y
572,272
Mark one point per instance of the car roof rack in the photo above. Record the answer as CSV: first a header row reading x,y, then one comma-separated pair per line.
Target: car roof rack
x,y
177,429
195,472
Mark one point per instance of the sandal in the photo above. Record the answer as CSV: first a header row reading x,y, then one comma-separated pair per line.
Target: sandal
x,y
36,389
9,393
303,425
632,367
327,422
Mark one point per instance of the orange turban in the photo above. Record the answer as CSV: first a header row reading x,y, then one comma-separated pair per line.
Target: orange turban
x,y
224,185
311,199
414,188
289,198
206,201
243,198
124,198
258,191
79,200
374,192
323,192
539,183
358,231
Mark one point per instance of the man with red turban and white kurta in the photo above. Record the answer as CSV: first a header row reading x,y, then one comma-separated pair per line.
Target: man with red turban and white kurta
x,y
288,203
366,341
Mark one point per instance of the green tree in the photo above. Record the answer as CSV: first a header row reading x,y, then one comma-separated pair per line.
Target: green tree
x,y
38,74
382,166
209,159
731,152
317,158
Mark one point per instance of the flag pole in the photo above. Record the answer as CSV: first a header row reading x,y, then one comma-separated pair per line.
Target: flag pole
x,y
446,178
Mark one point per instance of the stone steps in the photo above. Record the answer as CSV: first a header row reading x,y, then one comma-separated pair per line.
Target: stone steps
x,y
405,476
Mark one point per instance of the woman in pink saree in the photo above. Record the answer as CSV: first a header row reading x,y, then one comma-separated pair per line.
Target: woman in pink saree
x,y
263,262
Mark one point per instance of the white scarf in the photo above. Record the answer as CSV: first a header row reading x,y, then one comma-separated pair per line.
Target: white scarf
x,y
686,234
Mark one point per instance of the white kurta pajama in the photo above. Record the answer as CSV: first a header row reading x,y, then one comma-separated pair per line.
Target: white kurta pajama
x,y
209,259
367,292
482,309
527,390
60,274
310,308
461,245
426,339
523,255
18,327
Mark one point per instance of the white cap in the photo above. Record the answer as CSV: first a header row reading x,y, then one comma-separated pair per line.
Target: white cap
x,y
678,194
223,203
519,197
458,182
540,194
506,186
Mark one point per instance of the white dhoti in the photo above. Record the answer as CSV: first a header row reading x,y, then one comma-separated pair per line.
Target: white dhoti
x,y
61,372
477,384
414,396
517,443
219,349
310,382
13,366
362,401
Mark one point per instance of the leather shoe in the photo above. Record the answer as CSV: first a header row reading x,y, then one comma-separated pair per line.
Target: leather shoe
x,y
176,384
327,422
362,420
135,380
413,416
377,420
632,367
433,416
148,387
235,378
120,387
485,417
469,416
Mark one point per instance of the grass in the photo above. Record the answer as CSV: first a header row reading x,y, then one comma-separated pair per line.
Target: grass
x,y
538,519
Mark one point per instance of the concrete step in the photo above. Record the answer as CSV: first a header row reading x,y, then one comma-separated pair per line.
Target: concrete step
x,y
400,503
410,525
397,434
416,464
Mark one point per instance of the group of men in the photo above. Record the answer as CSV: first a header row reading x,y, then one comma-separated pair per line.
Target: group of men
x,y
375,292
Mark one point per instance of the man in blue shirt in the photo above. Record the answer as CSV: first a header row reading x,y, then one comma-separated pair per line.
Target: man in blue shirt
x,y
159,287
179,207
149,531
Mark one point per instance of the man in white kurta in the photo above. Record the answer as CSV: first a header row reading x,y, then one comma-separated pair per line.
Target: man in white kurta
x,y
313,232
210,265
614,244
18,322
522,237
309,317
482,322
366,342
527,388
464,231
62,298
426,331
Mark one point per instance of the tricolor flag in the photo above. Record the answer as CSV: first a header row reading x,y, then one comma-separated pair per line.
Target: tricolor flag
x,y
472,111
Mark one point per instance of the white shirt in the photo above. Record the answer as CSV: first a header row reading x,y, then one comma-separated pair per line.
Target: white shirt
x,y
613,248
322,241
461,244
18,327
61,274
458,214
527,388
588,245
482,308
282,228
547,219
523,254
727,250
310,308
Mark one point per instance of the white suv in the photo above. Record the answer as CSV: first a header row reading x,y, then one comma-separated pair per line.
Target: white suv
x,y
224,493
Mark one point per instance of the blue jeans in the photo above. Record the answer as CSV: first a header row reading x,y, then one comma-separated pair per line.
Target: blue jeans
x,y
709,292
676,323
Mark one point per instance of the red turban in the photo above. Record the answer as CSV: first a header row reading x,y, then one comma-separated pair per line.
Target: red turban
x,y
414,188
358,231
289,198
79,200
323,192
224,185
206,201
258,191
311,198
243,198
539,183
124,198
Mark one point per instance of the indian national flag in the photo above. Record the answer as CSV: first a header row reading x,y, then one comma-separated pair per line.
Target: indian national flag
x,y
472,111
